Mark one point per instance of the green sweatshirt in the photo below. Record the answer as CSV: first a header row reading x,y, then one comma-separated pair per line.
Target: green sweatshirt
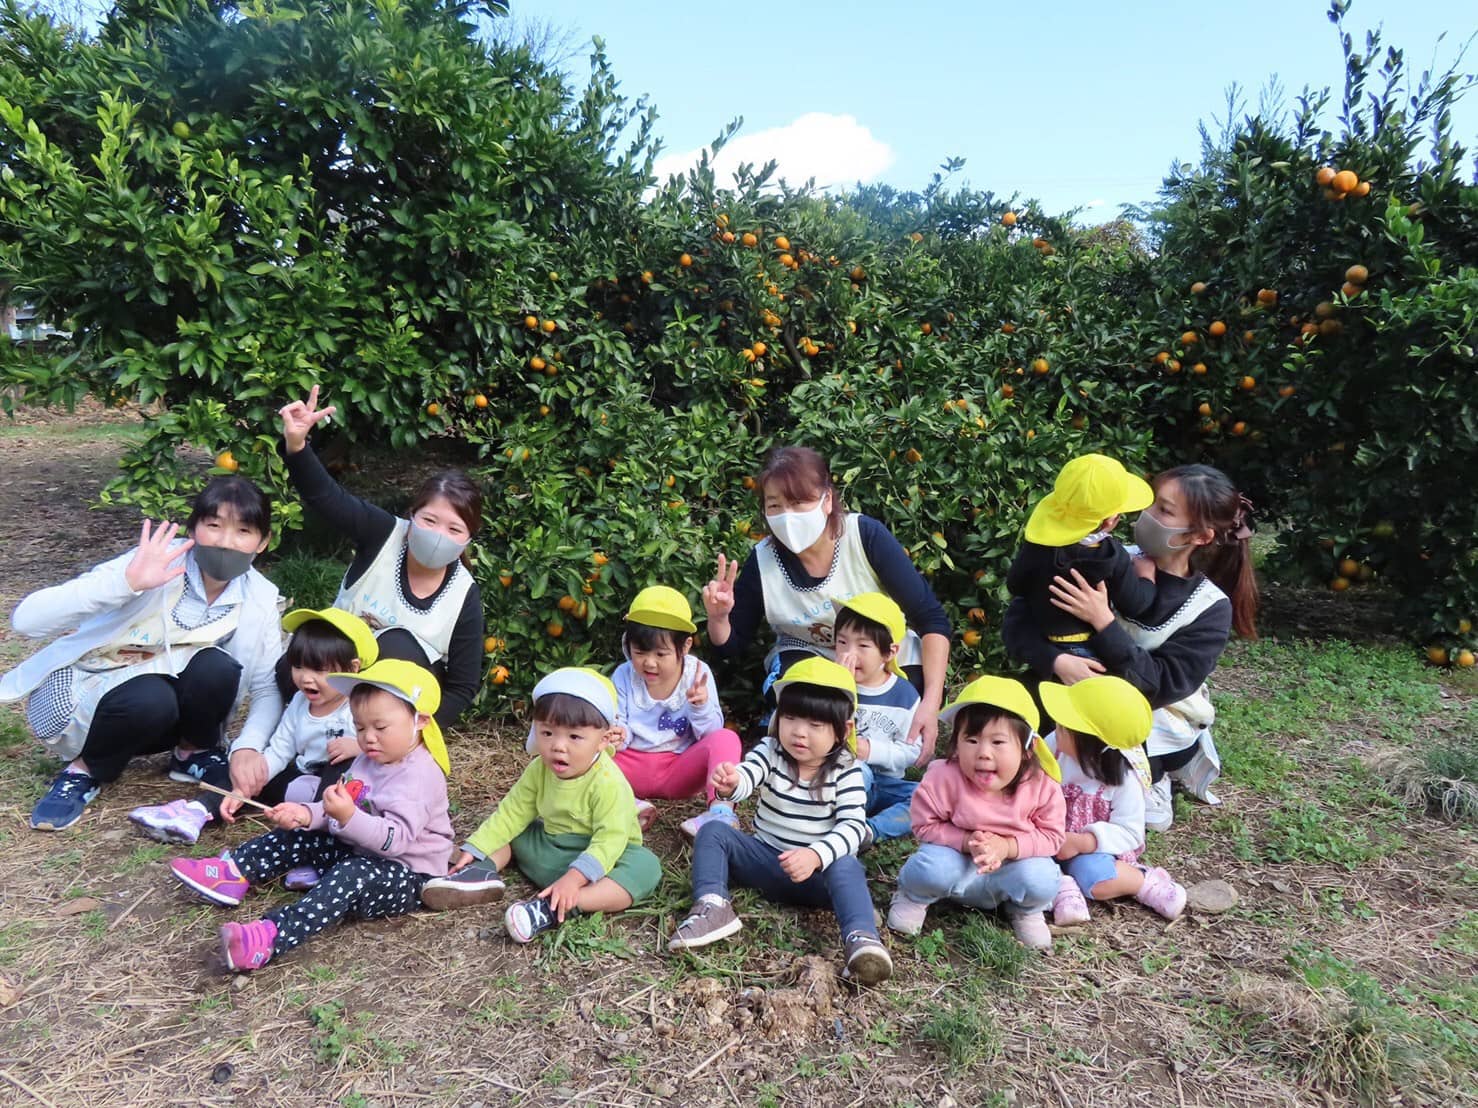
x,y
599,805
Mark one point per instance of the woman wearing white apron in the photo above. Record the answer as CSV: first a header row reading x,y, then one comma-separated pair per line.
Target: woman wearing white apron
x,y
816,557
1196,532
408,578
158,647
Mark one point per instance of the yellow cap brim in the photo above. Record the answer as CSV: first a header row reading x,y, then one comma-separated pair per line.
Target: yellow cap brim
x,y
1046,759
665,620
1060,706
1139,762
436,743
1050,525
366,646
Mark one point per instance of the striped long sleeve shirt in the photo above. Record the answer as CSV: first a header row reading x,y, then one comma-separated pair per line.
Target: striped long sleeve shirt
x,y
789,816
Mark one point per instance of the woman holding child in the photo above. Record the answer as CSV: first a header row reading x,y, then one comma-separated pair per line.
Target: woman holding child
x,y
1196,533
816,557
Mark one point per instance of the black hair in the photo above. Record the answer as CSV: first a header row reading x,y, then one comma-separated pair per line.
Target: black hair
x,y
815,702
973,719
850,620
1099,760
364,690
643,636
319,645
248,503
563,710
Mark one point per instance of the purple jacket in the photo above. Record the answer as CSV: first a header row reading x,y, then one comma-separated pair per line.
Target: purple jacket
x,y
401,814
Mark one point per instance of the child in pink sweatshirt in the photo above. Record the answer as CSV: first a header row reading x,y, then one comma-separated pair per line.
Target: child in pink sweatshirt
x,y
989,819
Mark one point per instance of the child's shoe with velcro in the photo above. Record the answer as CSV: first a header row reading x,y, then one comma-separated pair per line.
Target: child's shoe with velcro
x,y
527,918
868,961
478,882
1069,908
248,946
718,812
216,879
712,918
1161,893
905,915
179,821
1030,928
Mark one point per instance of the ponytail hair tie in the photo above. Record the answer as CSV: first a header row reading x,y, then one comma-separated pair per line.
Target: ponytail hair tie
x,y
1242,523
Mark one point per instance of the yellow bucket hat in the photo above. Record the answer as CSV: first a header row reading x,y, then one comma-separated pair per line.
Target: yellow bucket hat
x,y
366,648
1087,491
826,674
412,683
1108,707
1003,692
661,606
881,608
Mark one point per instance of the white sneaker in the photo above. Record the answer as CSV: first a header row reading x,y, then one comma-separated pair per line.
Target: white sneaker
x,y
1159,810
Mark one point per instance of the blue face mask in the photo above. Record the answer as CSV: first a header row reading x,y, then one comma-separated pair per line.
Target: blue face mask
x,y
221,563
431,548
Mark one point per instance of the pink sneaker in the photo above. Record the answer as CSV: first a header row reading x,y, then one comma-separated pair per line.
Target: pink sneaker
x,y
179,821
718,812
906,916
215,879
1161,893
646,814
300,878
1070,908
248,946
1030,928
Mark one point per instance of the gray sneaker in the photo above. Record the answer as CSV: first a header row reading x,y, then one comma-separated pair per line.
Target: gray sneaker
x,y
476,883
868,962
711,919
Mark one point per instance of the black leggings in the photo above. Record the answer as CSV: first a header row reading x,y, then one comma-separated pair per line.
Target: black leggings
x,y
1161,764
395,642
156,712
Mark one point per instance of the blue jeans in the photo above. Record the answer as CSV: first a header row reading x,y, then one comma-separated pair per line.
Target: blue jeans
x,y
1089,869
887,803
935,872
722,855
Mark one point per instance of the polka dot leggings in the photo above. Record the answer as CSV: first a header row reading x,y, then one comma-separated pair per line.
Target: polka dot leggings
x,y
362,884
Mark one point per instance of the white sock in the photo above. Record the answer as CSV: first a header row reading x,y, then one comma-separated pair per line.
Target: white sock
x,y
714,899
202,809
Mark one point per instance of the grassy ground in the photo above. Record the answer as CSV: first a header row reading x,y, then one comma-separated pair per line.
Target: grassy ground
x,y
1344,974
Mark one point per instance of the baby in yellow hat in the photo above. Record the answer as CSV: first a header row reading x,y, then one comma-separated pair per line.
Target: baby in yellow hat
x,y
377,836
1102,725
808,825
315,733
1071,530
569,821
670,726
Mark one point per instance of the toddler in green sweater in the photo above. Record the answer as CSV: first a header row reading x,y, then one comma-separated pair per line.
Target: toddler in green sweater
x,y
569,822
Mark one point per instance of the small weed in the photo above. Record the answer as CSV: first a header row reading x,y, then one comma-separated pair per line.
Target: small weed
x,y
883,1033
1441,779
767,1094
611,1017
212,1003
932,946
322,975
964,1030
582,938
145,856
557,1074
1152,964
1462,937
95,923
337,1038
66,859
506,1009
1302,832
993,948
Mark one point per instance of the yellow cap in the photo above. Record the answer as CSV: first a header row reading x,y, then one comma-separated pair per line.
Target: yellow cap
x,y
881,608
661,606
366,648
1087,491
412,683
826,674
1012,696
1108,707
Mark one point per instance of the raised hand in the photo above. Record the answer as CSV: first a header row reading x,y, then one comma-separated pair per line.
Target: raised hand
x,y
154,563
725,778
698,693
299,418
718,594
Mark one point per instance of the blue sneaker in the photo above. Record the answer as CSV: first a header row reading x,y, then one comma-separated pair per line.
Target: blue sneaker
x,y
192,769
64,802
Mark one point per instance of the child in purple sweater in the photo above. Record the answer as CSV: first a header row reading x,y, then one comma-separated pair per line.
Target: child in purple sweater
x,y
377,835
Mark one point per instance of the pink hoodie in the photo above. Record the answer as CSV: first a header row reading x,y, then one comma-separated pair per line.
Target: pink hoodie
x,y
946,808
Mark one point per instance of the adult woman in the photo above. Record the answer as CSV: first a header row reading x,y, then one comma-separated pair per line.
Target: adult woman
x,y
816,557
164,642
1196,532
407,578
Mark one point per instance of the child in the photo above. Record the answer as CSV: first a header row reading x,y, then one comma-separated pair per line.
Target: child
x,y
808,825
377,836
316,729
569,821
869,629
1102,724
988,820
672,736
1071,529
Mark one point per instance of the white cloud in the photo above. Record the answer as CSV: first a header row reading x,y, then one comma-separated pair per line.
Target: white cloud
x,y
834,149
1095,203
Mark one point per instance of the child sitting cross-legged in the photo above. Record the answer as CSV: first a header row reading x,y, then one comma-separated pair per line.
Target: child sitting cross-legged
x,y
315,732
569,821
377,835
989,819
869,629
808,824
1102,725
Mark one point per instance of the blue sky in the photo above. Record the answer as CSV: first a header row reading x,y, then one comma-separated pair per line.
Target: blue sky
x,y
1076,104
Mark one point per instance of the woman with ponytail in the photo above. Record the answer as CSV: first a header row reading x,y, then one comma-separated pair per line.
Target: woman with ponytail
x,y
1196,532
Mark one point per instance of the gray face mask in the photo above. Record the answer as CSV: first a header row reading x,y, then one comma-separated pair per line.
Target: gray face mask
x,y
221,563
431,548
1155,539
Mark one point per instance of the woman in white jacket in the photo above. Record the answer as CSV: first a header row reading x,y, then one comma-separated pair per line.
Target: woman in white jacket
x,y
157,647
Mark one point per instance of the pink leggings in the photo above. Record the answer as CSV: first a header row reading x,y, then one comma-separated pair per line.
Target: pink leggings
x,y
660,775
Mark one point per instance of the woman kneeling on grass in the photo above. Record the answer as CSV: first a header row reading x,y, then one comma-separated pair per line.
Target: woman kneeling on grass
x,y
158,647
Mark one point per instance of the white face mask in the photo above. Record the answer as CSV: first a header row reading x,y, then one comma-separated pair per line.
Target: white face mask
x,y
796,531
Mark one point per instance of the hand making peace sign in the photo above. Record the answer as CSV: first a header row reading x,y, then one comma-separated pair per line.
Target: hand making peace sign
x,y
299,418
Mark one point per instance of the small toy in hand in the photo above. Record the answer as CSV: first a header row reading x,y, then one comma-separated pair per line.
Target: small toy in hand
x,y
356,789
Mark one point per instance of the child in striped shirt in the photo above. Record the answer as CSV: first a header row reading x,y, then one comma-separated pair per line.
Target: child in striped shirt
x,y
808,825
